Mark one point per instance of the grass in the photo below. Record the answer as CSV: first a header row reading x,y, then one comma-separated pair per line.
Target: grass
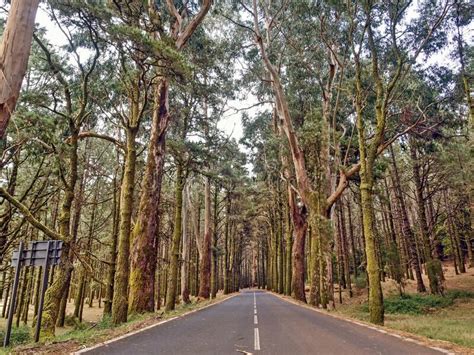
x,y
421,304
454,324
18,336
449,318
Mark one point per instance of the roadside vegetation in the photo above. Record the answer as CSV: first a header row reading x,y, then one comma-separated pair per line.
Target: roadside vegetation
x,y
449,317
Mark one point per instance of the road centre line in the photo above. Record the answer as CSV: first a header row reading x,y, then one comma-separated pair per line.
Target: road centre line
x,y
256,339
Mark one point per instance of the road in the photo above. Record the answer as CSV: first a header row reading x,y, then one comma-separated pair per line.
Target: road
x,y
258,322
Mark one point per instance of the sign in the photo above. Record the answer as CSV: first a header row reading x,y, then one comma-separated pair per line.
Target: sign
x,y
41,253
36,254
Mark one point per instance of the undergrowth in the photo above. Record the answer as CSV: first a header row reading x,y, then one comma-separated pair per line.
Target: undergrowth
x,y
421,304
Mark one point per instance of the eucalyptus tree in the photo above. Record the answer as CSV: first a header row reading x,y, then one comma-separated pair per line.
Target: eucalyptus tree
x,y
396,58
183,22
14,53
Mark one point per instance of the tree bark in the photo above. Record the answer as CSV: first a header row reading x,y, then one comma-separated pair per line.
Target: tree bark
x,y
143,253
122,268
14,53
185,252
174,248
205,262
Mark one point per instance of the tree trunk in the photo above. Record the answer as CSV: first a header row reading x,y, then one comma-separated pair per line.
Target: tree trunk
x,y
289,247
205,262
185,252
57,289
122,268
300,226
214,273
109,291
14,53
406,228
171,290
433,266
143,253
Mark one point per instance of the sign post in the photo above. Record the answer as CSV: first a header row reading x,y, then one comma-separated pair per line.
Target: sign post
x,y
41,253
11,310
43,291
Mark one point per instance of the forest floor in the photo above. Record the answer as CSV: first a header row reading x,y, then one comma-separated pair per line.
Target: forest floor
x,y
94,329
447,319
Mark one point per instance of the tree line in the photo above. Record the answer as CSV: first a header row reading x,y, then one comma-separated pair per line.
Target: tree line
x,y
359,150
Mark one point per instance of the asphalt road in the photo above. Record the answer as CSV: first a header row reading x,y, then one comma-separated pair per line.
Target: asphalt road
x,y
259,322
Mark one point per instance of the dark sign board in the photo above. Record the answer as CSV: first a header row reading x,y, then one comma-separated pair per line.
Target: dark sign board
x,y
36,254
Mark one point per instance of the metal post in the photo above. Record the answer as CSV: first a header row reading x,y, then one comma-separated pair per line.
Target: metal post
x,y
11,311
43,290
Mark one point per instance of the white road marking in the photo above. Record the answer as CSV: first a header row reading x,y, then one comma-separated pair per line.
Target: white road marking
x,y
126,335
256,339
255,321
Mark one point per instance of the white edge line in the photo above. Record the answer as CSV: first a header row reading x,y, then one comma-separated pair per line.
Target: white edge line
x,y
149,327
444,351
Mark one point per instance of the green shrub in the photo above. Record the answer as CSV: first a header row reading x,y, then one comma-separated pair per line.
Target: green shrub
x,y
19,335
361,281
420,303
105,322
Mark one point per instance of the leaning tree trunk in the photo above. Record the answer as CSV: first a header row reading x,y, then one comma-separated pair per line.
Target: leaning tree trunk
x,y
14,53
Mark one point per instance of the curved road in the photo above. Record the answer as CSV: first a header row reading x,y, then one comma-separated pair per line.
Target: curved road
x,y
258,322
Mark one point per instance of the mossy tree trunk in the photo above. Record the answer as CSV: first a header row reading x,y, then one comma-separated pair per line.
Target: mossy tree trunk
x,y
185,251
205,262
122,268
143,253
109,287
59,286
171,291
